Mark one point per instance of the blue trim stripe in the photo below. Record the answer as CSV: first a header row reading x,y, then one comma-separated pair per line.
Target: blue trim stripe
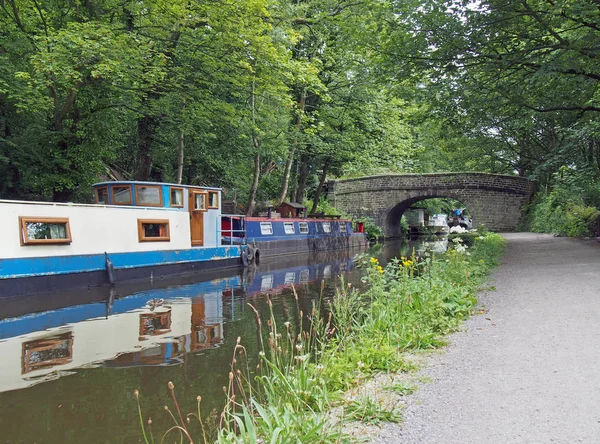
x,y
43,266
70,315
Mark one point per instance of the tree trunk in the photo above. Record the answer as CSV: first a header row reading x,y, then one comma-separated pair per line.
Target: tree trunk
x,y
254,187
295,180
292,153
317,196
180,158
146,128
256,145
302,175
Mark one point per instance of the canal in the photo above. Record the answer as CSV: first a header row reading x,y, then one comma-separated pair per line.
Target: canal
x,y
68,371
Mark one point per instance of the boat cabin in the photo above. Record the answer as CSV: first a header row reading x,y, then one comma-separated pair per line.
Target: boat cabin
x,y
202,203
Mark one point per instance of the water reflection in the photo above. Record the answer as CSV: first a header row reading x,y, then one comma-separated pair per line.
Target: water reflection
x,y
153,327
74,367
407,247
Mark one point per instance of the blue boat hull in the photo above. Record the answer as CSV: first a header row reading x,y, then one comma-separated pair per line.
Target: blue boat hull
x,y
51,274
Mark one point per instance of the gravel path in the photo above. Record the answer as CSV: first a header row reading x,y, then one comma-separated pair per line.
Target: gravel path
x,y
528,370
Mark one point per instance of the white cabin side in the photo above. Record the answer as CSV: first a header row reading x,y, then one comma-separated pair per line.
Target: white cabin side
x,y
94,229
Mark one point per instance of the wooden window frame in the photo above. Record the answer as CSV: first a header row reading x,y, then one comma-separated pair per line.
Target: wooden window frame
x,y
38,345
287,224
143,238
137,197
216,193
112,194
107,195
171,189
305,225
24,220
194,193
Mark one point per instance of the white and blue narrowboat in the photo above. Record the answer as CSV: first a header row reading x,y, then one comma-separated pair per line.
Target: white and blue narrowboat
x,y
134,231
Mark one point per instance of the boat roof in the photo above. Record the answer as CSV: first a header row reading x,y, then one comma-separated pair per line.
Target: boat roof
x,y
139,182
294,205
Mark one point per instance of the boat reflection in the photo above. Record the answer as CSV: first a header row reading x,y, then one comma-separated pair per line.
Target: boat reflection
x,y
152,327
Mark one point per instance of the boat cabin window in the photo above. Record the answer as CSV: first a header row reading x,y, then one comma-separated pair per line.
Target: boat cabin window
x,y
303,227
213,199
49,230
343,227
289,227
266,228
47,352
102,195
200,199
153,230
176,197
121,195
150,196
304,276
326,227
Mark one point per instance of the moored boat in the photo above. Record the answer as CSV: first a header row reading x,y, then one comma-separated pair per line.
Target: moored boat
x,y
274,236
135,230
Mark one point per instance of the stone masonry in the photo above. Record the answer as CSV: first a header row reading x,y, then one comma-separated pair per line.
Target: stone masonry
x,y
493,200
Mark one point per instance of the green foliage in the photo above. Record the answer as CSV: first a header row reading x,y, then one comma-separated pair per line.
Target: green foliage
x,y
571,208
364,409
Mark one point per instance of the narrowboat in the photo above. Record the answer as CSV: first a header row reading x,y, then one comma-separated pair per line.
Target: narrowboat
x,y
134,231
275,236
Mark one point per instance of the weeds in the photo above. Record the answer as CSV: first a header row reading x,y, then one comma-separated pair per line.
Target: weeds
x,y
303,371
364,409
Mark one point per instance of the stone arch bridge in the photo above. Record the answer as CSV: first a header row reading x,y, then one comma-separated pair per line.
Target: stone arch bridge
x,y
493,200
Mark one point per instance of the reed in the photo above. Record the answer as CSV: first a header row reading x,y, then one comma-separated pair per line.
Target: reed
x,y
304,370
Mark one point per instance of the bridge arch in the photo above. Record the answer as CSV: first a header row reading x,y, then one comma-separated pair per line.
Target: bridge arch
x,y
493,200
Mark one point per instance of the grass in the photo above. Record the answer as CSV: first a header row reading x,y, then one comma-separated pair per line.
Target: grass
x,y
304,370
368,411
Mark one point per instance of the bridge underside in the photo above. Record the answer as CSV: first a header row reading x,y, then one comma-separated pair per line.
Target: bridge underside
x,y
493,201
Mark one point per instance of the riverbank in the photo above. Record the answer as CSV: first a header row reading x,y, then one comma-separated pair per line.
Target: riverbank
x,y
305,373
526,370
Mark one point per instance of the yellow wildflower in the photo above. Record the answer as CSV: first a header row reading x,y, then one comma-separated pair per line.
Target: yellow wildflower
x,y
380,269
407,263
374,260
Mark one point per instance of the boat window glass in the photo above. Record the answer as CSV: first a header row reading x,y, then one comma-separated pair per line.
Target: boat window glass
x,y
342,227
290,278
266,228
102,195
121,195
304,276
47,230
213,199
200,201
266,282
303,227
148,195
289,227
177,197
47,352
326,227
150,230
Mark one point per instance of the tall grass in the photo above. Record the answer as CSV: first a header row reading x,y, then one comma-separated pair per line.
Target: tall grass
x,y
303,370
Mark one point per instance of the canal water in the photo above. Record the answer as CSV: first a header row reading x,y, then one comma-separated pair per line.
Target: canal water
x,y
68,372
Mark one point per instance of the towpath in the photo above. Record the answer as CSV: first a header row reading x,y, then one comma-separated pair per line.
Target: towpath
x,y
528,370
